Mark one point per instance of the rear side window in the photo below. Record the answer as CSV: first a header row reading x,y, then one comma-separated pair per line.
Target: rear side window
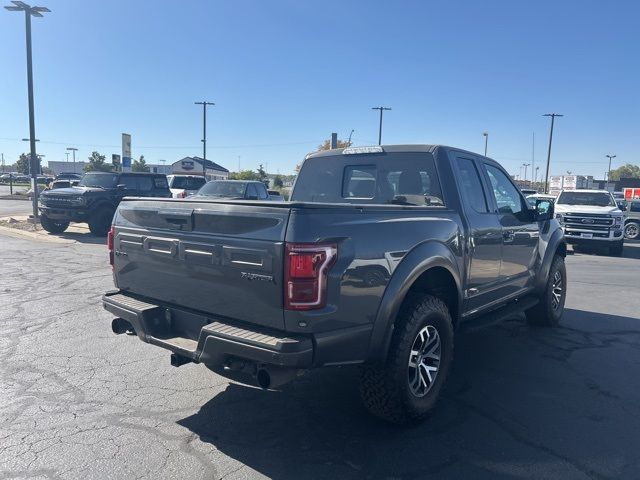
x,y
145,184
129,182
160,182
635,207
383,179
471,185
262,192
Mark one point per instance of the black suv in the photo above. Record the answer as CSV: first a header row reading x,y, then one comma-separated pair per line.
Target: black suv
x,y
95,199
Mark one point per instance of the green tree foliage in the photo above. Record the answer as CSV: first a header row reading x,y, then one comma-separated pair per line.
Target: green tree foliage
x,y
97,163
244,175
140,165
278,182
625,171
326,145
22,165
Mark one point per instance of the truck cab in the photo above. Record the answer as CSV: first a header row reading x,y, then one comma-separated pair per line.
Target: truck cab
x,y
591,218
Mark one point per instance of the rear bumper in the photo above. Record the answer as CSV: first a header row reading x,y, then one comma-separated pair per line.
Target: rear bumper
x,y
203,339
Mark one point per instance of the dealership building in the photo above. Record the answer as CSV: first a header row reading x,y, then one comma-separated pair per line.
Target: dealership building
x,y
193,166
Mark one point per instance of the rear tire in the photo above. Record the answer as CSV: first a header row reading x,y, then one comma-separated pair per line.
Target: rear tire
x,y
406,387
53,226
548,312
617,250
100,222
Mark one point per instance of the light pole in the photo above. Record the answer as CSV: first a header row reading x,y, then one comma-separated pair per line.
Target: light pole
x,y
546,177
74,150
350,134
486,141
525,165
33,159
204,104
610,157
67,154
535,175
382,109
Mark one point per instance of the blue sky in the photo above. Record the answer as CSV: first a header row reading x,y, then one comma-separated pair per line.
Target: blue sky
x,y
285,74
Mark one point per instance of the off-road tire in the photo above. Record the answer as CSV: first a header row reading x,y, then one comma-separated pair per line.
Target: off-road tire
x,y
100,222
547,313
53,226
617,250
385,388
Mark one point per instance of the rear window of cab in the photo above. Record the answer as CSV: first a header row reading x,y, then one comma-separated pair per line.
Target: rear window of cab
x,y
381,179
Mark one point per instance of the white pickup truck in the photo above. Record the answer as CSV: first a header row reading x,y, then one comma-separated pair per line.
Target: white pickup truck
x,y
590,217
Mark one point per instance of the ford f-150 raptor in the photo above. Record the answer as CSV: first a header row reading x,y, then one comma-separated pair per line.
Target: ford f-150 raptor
x,y
380,256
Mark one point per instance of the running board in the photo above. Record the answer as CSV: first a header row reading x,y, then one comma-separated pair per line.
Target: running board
x,y
498,316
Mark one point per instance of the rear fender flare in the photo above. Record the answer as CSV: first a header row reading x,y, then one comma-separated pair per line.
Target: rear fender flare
x,y
426,256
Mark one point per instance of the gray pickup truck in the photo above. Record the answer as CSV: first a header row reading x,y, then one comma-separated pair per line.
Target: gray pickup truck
x,y
379,257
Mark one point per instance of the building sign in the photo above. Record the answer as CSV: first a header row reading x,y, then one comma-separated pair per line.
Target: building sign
x,y
126,152
187,164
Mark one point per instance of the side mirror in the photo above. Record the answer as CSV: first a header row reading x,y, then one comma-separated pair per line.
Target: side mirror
x,y
544,210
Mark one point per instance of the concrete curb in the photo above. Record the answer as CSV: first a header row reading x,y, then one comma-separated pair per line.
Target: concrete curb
x,y
17,233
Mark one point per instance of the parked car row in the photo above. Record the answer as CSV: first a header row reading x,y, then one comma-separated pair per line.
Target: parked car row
x,y
95,197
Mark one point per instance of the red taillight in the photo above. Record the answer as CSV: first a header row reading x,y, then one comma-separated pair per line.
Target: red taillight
x,y
110,236
306,267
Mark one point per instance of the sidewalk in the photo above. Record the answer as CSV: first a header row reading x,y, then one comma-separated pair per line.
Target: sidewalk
x,y
17,226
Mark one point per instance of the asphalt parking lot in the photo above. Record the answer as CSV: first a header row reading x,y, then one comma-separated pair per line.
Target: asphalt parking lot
x,y
77,401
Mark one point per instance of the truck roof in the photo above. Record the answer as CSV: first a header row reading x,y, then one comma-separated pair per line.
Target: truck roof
x,y
586,190
391,148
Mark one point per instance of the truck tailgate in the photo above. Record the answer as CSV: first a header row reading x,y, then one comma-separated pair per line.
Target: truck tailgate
x,y
223,259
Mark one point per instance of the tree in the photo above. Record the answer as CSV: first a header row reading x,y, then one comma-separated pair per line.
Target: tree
x,y
262,175
625,171
140,165
22,165
244,175
97,163
326,145
277,181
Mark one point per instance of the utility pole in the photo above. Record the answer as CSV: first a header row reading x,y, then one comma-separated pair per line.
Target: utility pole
x,y
2,162
546,177
67,154
535,175
382,109
204,104
74,150
33,158
486,141
610,157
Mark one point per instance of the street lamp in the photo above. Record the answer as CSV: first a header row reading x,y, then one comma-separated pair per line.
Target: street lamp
x,y
350,134
546,178
382,109
74,150
610,157
28,12
486,141
204,135
525,165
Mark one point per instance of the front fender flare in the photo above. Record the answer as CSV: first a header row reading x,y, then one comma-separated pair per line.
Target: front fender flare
x,y
425,256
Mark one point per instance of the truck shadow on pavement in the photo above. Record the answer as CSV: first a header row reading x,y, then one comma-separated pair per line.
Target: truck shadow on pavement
x,y
521,402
